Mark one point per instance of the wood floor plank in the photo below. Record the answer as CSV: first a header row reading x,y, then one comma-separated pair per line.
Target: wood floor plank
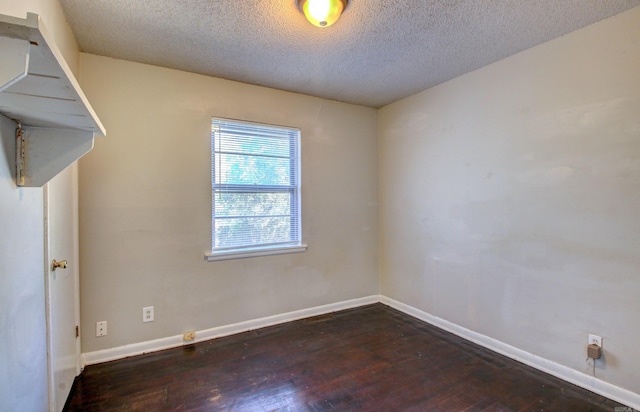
x,y
371,358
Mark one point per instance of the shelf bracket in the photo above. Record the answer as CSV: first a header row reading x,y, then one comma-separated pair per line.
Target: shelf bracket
x,y
43,152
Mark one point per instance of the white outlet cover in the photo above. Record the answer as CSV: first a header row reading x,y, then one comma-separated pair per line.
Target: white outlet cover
x,y
101,328
147,314
595,340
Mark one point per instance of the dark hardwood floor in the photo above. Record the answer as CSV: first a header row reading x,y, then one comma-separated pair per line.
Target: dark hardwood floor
x,y
372,358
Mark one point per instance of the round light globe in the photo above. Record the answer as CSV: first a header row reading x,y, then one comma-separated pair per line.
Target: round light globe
x,y
322,13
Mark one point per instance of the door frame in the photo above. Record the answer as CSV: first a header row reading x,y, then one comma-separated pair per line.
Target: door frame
x,y
73,260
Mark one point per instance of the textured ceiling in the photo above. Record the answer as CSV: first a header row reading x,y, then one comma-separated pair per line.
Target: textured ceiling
x,y
378,52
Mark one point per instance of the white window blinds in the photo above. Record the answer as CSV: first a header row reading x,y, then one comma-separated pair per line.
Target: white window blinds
x,y
256,185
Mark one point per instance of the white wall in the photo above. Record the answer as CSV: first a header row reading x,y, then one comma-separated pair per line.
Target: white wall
x,y
145,205
510,201
23,375
23,370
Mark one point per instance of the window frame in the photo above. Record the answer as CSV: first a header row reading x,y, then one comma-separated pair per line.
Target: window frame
x,y
294,188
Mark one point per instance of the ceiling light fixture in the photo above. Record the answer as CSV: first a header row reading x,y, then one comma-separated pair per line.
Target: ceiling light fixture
x,y
322,13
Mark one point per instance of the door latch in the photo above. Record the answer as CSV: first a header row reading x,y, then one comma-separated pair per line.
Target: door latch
x,y
55,264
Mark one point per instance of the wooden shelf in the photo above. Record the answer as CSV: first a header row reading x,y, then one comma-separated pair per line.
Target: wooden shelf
x,y
39,92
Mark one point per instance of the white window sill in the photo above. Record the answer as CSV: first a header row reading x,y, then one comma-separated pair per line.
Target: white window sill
x,y
249,253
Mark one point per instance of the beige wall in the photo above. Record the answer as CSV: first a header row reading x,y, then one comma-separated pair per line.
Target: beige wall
x,y
145,205
510,201
23,362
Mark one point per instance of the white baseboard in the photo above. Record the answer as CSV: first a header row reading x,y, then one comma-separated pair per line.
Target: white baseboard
x,y
590,383
134,349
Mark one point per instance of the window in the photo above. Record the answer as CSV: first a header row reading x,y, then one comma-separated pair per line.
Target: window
x,y
255,176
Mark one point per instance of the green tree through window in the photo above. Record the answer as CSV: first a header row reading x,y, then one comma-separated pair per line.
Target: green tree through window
x,y
256,185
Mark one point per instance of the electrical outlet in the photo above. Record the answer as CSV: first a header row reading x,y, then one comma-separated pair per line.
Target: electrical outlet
x,y
101,328
147,314
595,340
189,336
